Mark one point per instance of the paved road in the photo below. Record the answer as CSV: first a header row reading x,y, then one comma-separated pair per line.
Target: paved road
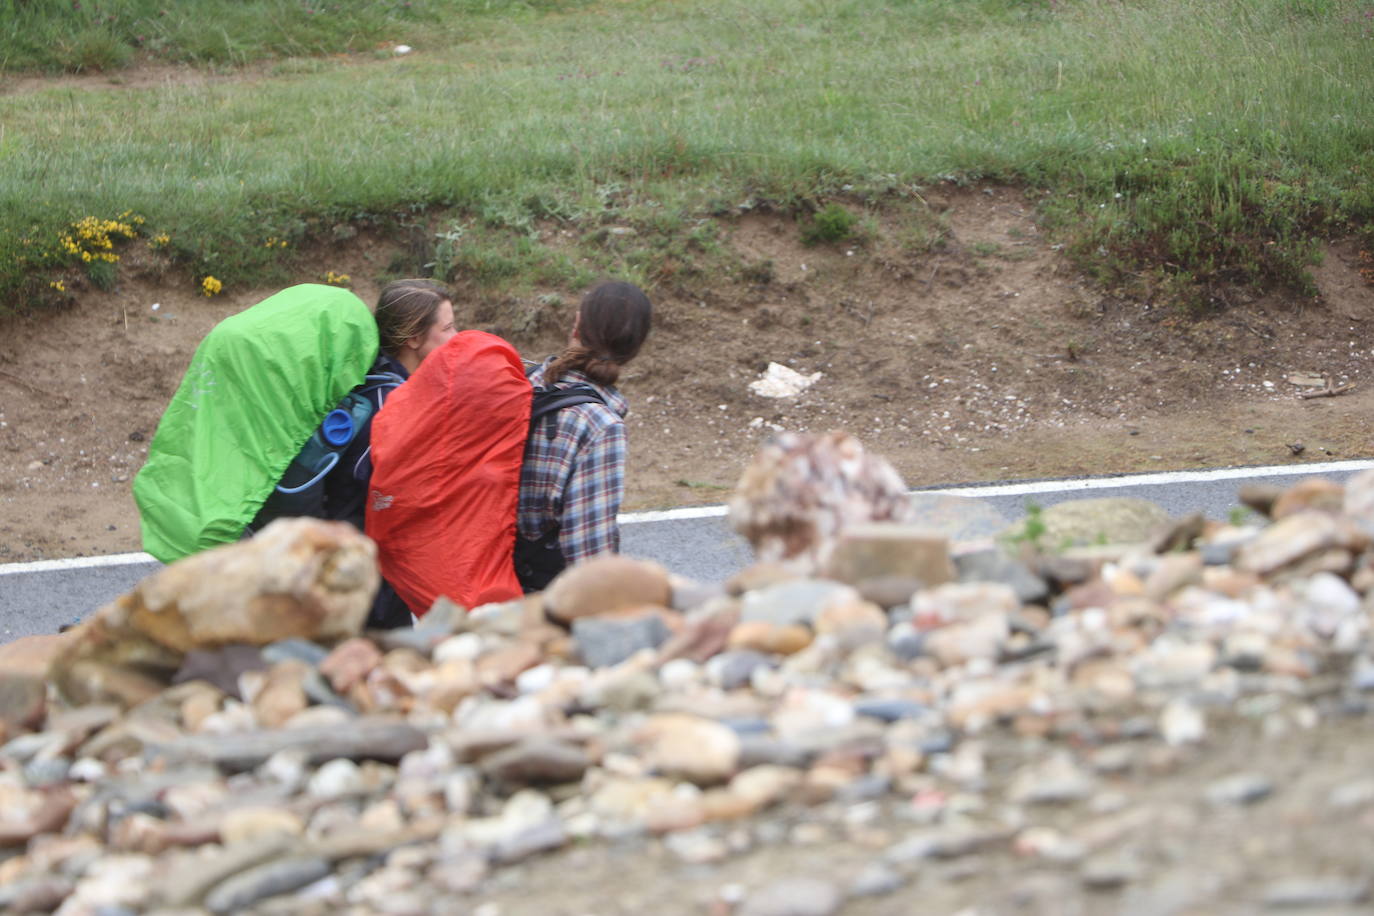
x,y
40,597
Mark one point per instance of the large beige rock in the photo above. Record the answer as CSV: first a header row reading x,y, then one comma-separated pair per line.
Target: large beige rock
x,y
299,577
1110,520
606,584
890,550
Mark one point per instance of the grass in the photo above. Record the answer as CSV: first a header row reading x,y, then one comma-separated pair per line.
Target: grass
x,y
1180,144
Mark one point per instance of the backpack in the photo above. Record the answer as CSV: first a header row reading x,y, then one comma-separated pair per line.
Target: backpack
x,y
324,448
301,490
257,389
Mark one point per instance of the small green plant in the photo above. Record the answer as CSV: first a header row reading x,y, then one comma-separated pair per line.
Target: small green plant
x,y
1033,530
831,223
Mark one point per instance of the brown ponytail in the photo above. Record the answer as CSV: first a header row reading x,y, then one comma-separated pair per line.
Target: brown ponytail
x,y
613,322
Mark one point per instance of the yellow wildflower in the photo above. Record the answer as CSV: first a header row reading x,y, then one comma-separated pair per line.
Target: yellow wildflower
x,y
211,286
59,286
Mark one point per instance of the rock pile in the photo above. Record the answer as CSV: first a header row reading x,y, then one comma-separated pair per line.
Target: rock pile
x,y
225,740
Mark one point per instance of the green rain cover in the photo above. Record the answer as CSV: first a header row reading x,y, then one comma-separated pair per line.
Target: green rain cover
x,y
259,384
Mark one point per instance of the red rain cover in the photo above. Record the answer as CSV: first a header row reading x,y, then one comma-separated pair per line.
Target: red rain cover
x,y
446,454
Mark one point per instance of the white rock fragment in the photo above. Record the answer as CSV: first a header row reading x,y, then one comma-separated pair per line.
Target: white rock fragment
x,y
1181,723
778,381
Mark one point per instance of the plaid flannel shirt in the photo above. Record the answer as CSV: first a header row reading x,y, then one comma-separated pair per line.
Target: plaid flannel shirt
x,y
574,482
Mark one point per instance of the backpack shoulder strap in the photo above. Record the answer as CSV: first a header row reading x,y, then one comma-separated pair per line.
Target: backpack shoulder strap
x,y
548,401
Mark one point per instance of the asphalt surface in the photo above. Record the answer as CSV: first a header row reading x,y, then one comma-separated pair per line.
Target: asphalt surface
x,y
41,597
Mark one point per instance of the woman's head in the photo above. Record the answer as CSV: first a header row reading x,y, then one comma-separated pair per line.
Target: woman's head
x,y
414,317
612,324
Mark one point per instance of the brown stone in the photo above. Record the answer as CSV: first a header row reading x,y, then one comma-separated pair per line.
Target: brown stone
x,y
405,661
606,584
1229,582
41,896
50,816
1179,534
32,655
94,681
982,637
23,700
1125,583
350,662
1297,537
139,832
386,690
777,639
724,805
1359,497
881,550
199,706
1315,493
1175,571
282,696
1259,496
128,737
452,682
703,635
758,575
243,825
503,665
853,622
766,784
973,709
668,813
688,747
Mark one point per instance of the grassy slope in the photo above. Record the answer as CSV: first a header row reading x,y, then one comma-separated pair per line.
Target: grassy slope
x,y
1200,141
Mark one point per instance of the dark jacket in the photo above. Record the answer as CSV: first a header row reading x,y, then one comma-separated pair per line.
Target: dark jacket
x,y
344,494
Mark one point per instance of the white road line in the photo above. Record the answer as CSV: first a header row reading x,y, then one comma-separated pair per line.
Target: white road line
x,y
1010,489
40,566
1148,480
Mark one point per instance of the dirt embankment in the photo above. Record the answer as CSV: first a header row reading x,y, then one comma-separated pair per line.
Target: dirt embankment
x,y
988,358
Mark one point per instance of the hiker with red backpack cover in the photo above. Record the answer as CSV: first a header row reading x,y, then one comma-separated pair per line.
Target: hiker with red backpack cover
x,y
446,456
470,444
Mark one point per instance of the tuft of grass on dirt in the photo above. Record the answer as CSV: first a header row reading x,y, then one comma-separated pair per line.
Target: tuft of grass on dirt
x,y
1179,145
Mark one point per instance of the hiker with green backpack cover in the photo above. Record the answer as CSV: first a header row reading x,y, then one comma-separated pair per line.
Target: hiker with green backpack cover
x,y
273,415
